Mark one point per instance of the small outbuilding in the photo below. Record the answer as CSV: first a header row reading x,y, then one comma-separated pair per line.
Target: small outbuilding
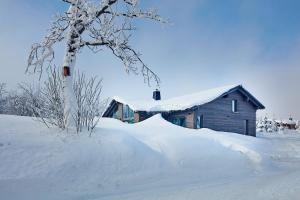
x,y
228,109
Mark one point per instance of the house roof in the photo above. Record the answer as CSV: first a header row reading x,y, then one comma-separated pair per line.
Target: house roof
x,y
288,121
187,101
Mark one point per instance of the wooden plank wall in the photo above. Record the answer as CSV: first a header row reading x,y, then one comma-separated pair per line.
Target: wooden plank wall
x,y
136,117
120,112
218,115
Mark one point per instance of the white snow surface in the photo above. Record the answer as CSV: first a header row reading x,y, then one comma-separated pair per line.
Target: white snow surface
x,y
153,159
176,103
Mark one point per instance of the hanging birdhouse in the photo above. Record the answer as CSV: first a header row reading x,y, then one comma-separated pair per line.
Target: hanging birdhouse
x,y
66,71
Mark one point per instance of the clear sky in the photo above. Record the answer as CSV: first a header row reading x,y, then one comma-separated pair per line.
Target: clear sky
x,y
210,43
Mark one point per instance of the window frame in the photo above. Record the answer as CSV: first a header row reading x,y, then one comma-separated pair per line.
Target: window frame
x,y
179,121
199,121
128,114
234,106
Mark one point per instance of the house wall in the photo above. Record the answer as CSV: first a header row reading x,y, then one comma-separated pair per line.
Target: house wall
x,y
120,112
289,126
113,107
143,115
136,117
188,115
190,120
117,108
218,115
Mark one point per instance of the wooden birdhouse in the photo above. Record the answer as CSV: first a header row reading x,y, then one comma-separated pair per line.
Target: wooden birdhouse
x,y
66,71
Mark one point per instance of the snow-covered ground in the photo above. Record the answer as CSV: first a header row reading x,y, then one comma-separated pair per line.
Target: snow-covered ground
x,y
153,159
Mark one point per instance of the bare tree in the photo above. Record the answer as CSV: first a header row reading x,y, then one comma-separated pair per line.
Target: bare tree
x,y
89,105
46,102
2,97
96,25
51,110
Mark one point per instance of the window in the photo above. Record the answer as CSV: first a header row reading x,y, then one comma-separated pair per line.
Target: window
x,y
179,121
182,121
175,121
199,122
234,105
115,115
246,127
128,114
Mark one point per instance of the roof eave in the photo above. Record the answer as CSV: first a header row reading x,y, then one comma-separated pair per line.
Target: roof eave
x,y
258,104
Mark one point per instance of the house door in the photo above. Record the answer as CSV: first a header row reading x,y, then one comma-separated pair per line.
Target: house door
x,y
199,122
246,127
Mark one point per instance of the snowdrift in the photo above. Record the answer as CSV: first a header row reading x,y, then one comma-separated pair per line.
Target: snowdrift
x,y
123,159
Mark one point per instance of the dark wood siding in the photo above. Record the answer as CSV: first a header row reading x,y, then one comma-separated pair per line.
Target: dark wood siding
x,y
218,115
143,115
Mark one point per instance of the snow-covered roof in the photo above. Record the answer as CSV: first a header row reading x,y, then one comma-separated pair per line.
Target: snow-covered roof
x,y
291,122
178,103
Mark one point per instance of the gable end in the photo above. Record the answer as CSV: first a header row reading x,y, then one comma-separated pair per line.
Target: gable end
x,y
247,95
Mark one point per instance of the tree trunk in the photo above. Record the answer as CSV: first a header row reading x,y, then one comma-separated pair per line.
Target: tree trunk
x,y
68,92
73,40
70,108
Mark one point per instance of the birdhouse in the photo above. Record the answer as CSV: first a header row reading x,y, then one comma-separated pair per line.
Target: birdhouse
x,y
66,71
156,95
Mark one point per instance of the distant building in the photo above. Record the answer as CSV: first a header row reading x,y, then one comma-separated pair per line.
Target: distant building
x,y
228,109
289,124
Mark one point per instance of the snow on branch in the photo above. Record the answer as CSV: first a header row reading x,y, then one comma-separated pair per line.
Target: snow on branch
x,y
97,24
42,53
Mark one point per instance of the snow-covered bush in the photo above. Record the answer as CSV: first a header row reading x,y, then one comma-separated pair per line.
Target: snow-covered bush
x,y
49,105
267,125
18,103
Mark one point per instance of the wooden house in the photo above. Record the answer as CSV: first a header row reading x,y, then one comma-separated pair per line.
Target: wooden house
x,y
289,124
228,109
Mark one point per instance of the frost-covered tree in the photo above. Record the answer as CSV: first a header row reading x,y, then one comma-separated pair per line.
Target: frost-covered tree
x,y
266,124
96,24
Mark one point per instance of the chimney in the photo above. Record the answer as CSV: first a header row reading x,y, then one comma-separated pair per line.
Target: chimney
x,y
156,95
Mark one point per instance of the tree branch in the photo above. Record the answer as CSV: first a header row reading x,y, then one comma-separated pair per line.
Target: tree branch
x,y
95,26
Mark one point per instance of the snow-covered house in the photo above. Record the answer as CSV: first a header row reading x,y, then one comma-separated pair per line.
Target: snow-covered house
x,y
229,108
289,124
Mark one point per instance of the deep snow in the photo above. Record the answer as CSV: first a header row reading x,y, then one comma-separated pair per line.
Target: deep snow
x,y
153,159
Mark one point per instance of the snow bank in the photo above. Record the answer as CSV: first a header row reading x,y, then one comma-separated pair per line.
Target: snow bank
x,y
193,139
135,161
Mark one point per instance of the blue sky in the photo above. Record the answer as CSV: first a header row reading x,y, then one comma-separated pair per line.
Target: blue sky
x,y
209,43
